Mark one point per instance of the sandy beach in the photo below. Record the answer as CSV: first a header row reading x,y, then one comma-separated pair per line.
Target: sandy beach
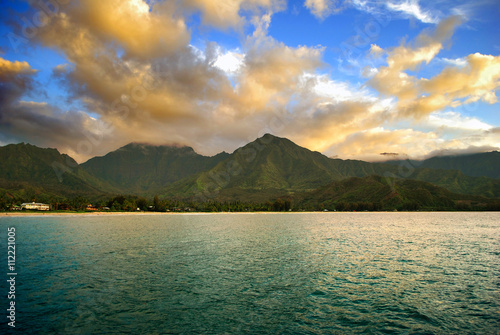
x,y
12,214
79,213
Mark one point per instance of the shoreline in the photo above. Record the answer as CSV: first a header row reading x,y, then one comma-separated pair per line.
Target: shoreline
x,y
49,213
41,214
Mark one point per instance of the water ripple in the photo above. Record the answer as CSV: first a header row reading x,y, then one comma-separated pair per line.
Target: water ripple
x,y
325,273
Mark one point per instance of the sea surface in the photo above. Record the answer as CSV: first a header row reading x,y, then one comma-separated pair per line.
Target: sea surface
x,y
310,273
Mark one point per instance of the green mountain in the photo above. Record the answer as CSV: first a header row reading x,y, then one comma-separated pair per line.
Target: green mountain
x,y
376,193
30,170
266,169
456,181
272,166
476,165
146,169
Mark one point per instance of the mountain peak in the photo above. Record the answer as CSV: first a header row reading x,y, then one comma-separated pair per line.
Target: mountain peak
x,y
156,148
270,137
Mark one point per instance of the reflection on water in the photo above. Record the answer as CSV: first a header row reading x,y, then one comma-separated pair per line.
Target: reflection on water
x,y
309,273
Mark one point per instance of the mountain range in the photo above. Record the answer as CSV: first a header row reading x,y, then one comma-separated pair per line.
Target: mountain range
x,y
263,170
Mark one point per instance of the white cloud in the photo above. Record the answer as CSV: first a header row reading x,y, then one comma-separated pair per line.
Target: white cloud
x,y
375,50
324,8
339,91
369,72
229,62
460,62
413,9
456,121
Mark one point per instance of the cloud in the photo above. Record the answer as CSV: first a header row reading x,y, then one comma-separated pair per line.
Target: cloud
x,y
455,121
417,97
375,50
459,62
324,8
16,78
368,144
189,96
339,91
475,77
411,8
9,70
477,80
143,31
39,122
139,79
47,126
226,13
229,62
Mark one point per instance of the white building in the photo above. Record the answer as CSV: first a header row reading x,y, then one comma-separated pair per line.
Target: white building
x,y
35,206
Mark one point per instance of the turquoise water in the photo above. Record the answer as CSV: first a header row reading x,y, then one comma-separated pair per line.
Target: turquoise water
x,y
314,273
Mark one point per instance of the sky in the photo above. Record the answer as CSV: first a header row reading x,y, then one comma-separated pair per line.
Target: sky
x,y
353,79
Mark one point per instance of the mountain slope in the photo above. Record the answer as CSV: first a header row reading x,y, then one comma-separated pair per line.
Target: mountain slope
x,y
271,166
142,169
265,169
375,193
485,164
268,167
24,166
458,182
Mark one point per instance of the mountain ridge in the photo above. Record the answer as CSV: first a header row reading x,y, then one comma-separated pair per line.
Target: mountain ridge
x,y
276,165
26,166
482,164
265,169
137,167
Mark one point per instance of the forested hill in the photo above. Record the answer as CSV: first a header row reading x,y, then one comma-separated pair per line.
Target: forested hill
x,y
145,169
485,164
271,166
29,170
263,170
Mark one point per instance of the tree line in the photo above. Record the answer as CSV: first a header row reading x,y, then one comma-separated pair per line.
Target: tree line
x,y
132,203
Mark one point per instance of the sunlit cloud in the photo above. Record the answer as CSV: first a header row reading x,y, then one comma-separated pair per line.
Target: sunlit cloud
x,y
9,70
454,86
376,51
137,76
227,13
230,62
324,8
142,31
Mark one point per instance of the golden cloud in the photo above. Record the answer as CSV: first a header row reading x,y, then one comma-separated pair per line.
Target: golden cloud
x,y
181,97
226,13
9,69
392,80
142,31
375,50
16,78
272,75
323,8
134,68
479,79
369,143
418,97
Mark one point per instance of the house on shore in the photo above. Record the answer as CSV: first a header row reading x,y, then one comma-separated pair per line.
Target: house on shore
x,y
91,207
35,206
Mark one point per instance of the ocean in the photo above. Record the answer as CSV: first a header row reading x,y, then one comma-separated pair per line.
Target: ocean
x,y
253,273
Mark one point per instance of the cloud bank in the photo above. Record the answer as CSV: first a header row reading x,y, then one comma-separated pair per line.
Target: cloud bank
x,y
132,66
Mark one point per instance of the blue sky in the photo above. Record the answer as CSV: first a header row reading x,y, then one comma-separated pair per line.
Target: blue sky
x,y
351,79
